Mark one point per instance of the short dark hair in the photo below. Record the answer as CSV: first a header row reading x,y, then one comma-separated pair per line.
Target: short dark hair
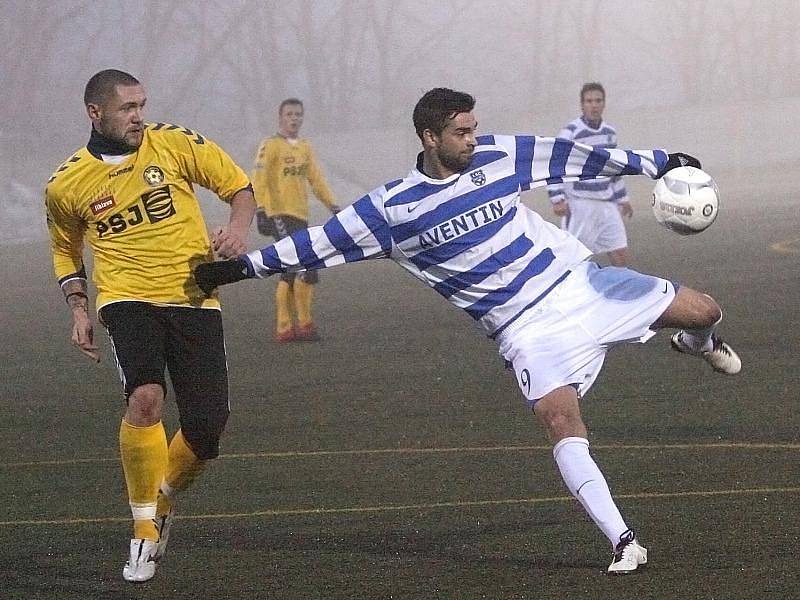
x,y
289,101
438,106
102,84
592,86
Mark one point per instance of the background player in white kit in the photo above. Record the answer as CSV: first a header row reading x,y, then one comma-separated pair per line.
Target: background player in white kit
x,y
456,223
592,210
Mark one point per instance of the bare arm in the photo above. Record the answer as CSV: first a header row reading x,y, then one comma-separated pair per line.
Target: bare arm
x,y
625,209
561,208
66,239
231,240
75,294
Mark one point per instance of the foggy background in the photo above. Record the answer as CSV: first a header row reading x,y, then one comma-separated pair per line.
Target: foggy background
x,y
714,78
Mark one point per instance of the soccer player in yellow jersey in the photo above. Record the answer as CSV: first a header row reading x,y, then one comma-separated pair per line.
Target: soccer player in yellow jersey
x,y
284,167
128,194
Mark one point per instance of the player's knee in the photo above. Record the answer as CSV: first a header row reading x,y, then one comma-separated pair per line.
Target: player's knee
x,y
559,414
709,312
145,404
562,425
203,435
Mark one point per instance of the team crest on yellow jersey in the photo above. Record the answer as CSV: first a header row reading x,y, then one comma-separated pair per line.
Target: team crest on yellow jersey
x,y
153,176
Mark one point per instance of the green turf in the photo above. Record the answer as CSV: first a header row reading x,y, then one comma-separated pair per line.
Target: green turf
x,y
296,509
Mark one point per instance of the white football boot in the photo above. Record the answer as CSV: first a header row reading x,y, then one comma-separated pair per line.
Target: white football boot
x,y
721,357
628,555
141,565
163,524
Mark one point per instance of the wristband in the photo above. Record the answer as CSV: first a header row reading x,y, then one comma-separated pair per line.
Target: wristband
x,y
81,294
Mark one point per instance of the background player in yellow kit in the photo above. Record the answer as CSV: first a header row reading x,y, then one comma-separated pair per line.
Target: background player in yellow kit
x,y
128,193
284,167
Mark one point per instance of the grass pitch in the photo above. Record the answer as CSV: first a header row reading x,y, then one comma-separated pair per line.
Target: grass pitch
x,y
396,458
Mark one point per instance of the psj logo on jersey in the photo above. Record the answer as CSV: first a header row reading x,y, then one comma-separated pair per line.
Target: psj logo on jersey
x,y
478,177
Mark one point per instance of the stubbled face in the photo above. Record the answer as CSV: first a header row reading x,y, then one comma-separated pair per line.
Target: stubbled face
x,y
592,104
121,116
290,120
456,144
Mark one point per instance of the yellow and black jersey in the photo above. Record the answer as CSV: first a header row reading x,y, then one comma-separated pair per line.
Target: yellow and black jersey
x,y
140,216
281,175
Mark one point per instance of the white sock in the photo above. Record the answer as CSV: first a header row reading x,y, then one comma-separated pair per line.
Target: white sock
x,y
587,484
699,340
142,512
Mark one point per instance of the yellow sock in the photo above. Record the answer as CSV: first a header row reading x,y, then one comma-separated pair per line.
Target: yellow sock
x,y
182,469
303,295
145,529
143,451
283,306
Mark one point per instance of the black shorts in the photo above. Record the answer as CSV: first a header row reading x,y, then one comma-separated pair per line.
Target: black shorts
x,y
188,343
279,227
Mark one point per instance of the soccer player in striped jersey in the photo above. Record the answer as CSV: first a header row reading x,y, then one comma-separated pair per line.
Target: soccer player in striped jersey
x,y
456,222
592,210
129,193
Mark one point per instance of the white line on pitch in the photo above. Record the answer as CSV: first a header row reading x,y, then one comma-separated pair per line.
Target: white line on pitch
x,y
405,507
786,246
452,450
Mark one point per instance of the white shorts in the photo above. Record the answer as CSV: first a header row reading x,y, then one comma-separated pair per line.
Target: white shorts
x,y
597,224
563,340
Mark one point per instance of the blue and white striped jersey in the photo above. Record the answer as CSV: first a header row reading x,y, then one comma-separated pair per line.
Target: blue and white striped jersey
x,y
610,189
468,236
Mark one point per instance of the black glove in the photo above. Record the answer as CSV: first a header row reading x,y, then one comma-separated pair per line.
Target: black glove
x,y
679,159
211,275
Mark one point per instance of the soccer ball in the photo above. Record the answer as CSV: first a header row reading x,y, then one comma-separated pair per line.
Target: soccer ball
x,y
686,200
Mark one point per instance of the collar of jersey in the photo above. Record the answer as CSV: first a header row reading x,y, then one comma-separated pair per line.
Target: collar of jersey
x,y
100,145
423,176
589,124
291,141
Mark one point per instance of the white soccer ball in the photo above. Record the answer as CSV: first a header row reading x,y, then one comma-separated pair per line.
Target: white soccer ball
x,y
686,200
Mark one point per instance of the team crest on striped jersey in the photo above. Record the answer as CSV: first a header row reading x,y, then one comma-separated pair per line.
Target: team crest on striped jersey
x,y
478,177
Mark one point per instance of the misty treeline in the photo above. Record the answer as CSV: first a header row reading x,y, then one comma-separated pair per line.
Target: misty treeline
x,y
365,62
223,66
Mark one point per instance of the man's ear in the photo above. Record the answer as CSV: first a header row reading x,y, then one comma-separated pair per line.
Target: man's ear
x,y
429,139
94,111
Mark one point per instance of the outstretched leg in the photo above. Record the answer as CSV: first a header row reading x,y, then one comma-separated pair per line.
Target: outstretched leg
x,y
559,412
697,315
